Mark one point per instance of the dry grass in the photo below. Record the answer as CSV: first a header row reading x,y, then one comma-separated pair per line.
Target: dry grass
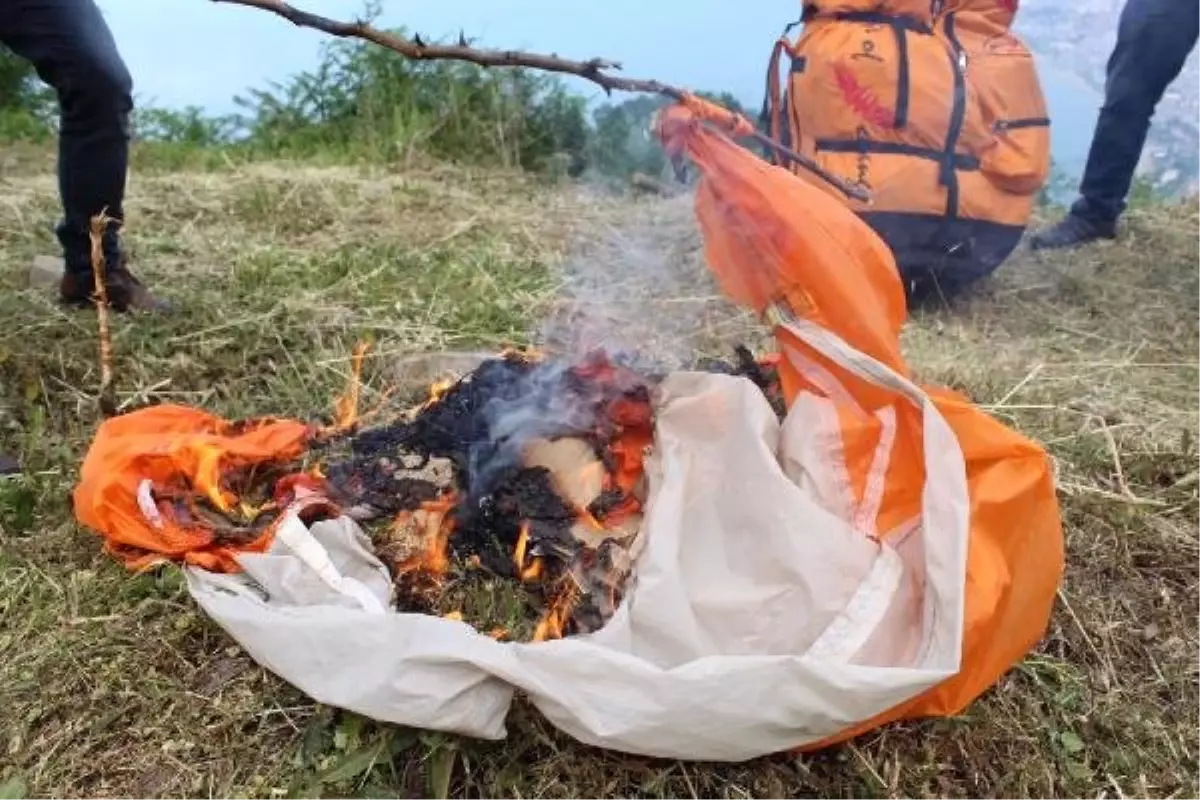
x,y
116,685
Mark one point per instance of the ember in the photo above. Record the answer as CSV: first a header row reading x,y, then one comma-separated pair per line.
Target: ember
x,y
543,457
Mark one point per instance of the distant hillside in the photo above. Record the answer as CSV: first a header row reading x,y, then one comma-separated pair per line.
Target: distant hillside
x,y
1073,42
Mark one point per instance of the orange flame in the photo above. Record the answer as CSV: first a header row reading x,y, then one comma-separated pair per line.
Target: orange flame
x,y
438,390
433,559
553,623
251,511
345,408
207,475
533,570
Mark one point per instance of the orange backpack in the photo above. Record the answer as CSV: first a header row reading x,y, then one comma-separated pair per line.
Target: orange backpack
x,y
935,109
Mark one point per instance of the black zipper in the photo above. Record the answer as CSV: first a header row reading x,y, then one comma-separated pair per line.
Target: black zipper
x,y
902,79
1017,124
958,62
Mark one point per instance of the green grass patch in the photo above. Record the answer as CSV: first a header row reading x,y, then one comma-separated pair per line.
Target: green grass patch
x,y
115,684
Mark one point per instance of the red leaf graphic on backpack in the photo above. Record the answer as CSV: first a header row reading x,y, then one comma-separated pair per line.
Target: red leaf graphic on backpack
x,y
861,99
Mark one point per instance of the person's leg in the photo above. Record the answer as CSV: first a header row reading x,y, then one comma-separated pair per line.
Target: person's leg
x,y
1154,39
73,50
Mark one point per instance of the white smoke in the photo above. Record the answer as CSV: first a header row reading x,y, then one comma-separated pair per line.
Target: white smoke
x,y
544,401
635,288
636,284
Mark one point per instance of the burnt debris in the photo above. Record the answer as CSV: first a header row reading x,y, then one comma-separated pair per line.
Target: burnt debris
x,y
763,374
480,467
478,429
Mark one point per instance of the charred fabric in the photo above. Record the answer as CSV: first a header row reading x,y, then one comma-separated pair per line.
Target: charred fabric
x,y
526,471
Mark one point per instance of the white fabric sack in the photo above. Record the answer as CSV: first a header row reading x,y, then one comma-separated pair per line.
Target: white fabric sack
x,y
761,616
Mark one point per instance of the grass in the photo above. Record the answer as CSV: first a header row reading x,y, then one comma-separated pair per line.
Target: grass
x,y
117,685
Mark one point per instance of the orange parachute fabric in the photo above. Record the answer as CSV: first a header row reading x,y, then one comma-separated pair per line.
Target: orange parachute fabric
x,y
936,109
171,449
783,246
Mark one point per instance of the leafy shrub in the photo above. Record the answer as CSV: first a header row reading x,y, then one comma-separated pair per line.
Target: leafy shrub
x,y
364,103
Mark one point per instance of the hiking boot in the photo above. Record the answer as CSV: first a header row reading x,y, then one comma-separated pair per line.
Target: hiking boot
x,y
1072,231
9,465
125,291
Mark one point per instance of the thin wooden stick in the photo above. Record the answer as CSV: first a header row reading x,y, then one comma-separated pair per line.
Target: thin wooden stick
x,y
596,70
107,397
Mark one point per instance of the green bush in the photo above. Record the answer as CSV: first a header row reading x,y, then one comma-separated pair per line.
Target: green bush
x,y
622,142
187,126
364,103
26,104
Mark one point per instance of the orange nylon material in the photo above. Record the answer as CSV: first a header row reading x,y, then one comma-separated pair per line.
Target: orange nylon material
x,y
759,227
734,123
988,17
960,83
173,447
771,236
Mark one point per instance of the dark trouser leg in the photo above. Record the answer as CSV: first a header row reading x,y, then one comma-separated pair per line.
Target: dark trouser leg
x,y
1154,38
73,51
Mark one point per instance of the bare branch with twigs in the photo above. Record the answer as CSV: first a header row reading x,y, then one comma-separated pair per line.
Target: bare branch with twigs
x,y
596,70
106,396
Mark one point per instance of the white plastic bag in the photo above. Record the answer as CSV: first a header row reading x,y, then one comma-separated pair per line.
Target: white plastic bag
x,y
760,619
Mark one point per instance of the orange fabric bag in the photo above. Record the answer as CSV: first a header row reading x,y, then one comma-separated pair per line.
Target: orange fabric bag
x,y
173,447
787,248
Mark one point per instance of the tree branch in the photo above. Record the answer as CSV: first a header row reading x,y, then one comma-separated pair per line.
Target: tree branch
x,y
596,70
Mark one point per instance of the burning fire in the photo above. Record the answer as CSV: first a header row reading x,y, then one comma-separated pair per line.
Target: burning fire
x,y
346,414
207,476
553,624
531,468
434,521
440,388
567,490
437,391
526,572
345,409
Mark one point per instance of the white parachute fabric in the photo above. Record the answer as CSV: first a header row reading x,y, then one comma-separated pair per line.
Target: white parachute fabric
x,y
761,617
